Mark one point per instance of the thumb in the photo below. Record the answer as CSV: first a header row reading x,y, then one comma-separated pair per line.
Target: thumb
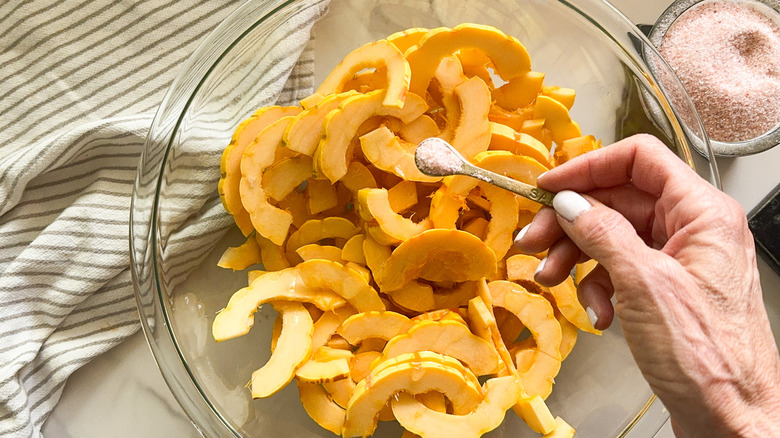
x,y
600,232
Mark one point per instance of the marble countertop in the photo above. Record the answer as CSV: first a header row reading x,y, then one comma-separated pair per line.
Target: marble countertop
x,y
122,393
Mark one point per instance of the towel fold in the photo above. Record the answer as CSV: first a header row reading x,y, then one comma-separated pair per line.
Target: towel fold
x,y
80,83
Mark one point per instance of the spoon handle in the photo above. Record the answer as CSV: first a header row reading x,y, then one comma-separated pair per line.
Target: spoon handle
x,y
525,190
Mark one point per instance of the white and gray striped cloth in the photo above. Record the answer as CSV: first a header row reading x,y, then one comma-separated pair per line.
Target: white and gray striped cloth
x,y
79,83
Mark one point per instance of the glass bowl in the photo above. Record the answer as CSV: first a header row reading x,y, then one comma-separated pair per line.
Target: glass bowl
x,y
179,227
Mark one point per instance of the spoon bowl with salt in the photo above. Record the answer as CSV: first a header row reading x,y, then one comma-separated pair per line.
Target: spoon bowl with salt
x,y
436,157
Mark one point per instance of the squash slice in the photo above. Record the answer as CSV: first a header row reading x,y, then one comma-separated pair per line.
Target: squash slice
x,y
471,134
419,129
372,55
332,276
449,338
537,315
408,38
241,256
556,119
292,349
321,407
574,147
285,176
504,209
412,373
414,297
269,221
327,365
437,255
386,151
341,125
353,250
230,164
315,251
500,394
271,254
520,91
304,132
286,285
507,139
374,205
358,177
521,268
508,55
340,391
315,230
383,325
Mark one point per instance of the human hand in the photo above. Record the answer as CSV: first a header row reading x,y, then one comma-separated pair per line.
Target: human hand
x,y
679,258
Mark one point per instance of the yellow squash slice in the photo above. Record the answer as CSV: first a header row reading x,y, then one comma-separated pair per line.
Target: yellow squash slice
x,y
321,407
408,38
507,139
413,373
242,256
374,205
378,54
450,338
284,176
388,152
286,285
304,132
269,221
292,349
500,394
508,55
327,365
332,156
332,276
230,164
315,230
521,268
537,315
383,325
556,119
315,251
437,255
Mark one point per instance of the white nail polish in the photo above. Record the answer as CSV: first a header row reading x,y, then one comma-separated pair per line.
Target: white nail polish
x,y
570,204
521,233
592,316
541,266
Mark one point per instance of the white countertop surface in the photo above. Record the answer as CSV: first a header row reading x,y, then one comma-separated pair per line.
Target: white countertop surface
x,y
122,394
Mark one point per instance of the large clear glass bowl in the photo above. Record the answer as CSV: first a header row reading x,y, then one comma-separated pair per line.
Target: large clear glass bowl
x,y
179,228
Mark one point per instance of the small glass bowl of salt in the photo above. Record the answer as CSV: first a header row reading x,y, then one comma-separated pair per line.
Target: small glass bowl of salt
x,y
726,53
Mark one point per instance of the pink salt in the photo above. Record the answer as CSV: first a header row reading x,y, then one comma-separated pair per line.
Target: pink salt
x,y
433,157
727,55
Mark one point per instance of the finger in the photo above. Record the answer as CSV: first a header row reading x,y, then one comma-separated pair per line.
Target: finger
x,y
599,231
595,292
635,205
641,160
560,260
540,234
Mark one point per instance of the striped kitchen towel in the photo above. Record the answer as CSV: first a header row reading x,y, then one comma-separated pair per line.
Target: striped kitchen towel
x,y
79,83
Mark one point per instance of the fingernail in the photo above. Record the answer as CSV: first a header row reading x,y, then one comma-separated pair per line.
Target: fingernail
x,y
541,266
541,175
570,205
592,316
521,233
